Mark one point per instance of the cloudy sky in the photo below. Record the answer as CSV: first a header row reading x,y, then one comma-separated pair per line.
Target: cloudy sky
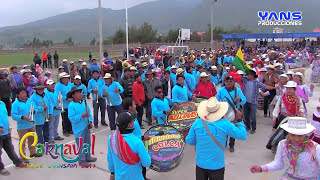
x,y
16,12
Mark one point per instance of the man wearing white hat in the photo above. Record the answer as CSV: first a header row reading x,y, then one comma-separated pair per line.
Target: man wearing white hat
x,y
63,87
278,70
297,154
77,83
209,134
56,110
215,77
65,66
79,65
85,74
270,79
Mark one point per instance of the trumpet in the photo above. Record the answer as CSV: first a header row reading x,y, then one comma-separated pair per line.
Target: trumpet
x,y
107,97
44,113
31,112
97,97
61,102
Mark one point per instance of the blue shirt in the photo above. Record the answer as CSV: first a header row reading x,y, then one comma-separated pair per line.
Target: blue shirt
x,y
137,130
223,93
208,153
19,109
180,94
158,106
215,79
227,59
4,120
63,89
173,78
190,81
114,97
253,98
125,171
79,123
38,102
92,85
18,79
94,67
83,87
54,102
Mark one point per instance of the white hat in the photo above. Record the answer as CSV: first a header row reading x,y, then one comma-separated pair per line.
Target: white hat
x,y
267,60
300,74
136,63
50,82
24,66
84,64
263,70
277,64
297,126
284,76
240,72
77,77
179,71
250,62
132,68
270,67
174,67
80,60
131,55
253,60
60,67
227,68
107,76
64,75
48,72
212,110
290,72
204,74
214,68
71,62
291,84
64,60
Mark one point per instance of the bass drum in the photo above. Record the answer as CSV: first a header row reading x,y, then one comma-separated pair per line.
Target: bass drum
x,y
230,115
165,147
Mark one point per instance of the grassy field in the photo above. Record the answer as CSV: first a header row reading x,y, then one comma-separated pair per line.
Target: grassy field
x,y
7,60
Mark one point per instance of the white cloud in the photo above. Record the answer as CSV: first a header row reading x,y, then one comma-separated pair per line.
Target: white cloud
x,y
16,12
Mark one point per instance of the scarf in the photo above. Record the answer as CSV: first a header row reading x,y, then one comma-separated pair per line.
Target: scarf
x,y
293,152
300,92
122,149
291,103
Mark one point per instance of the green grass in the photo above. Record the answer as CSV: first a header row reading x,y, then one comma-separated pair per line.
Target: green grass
x,y
7,60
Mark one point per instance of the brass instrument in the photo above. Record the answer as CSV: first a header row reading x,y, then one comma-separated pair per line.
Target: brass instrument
x,y
31,113
96,94
60,100
44,113
86,106
182,60
107,97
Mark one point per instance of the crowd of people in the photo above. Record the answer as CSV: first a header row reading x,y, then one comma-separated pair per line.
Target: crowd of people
x,y
154,84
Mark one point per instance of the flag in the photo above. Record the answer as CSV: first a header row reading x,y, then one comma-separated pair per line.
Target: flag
x,y
239,61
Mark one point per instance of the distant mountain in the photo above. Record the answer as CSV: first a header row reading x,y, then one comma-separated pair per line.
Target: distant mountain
x,y
82,25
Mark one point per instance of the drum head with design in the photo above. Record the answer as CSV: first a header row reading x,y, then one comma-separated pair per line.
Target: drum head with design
x,y
183,116
165,147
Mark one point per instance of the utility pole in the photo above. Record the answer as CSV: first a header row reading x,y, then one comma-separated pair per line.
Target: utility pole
x,y
212,4
127,29
100,33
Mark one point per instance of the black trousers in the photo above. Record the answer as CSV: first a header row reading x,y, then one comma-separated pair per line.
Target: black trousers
x,y
8,104
66,124
139,113
45,64
6,144
50,64
267,101
56,64
206,174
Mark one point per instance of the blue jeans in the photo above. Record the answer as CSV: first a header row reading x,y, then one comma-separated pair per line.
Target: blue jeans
x,y
112,115
102,105
85,139
53,127
250,111
43,133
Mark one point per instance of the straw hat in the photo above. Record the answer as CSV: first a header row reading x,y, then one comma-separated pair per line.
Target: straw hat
x,y
263,70
291,84
132,68
284,76
80,60
145,64
212,110
179,71
297,126
108,76
204,74
174,67
290,73
240,72
64,75
84,64
50,82
270,67
60,67
64,60
77,77
277,64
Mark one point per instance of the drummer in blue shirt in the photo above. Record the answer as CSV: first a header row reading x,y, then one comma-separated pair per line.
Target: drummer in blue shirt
x,y
118,165
160,106
209,134
180,92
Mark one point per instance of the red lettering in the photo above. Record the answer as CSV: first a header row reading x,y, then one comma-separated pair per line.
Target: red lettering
x,y
74,146
160,144
155,148
92,143
67,150
171,143
178,144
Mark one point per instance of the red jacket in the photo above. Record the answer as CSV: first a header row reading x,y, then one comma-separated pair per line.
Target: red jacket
x,y
138,93
44,56
206,90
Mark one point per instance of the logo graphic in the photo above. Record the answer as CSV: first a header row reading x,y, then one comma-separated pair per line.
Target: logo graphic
x,y
52,149
282,18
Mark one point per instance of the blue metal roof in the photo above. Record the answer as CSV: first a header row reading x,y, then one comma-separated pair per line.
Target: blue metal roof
x,y
271,35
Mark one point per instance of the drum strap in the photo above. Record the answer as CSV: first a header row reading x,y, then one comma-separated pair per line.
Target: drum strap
x,y
212,137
